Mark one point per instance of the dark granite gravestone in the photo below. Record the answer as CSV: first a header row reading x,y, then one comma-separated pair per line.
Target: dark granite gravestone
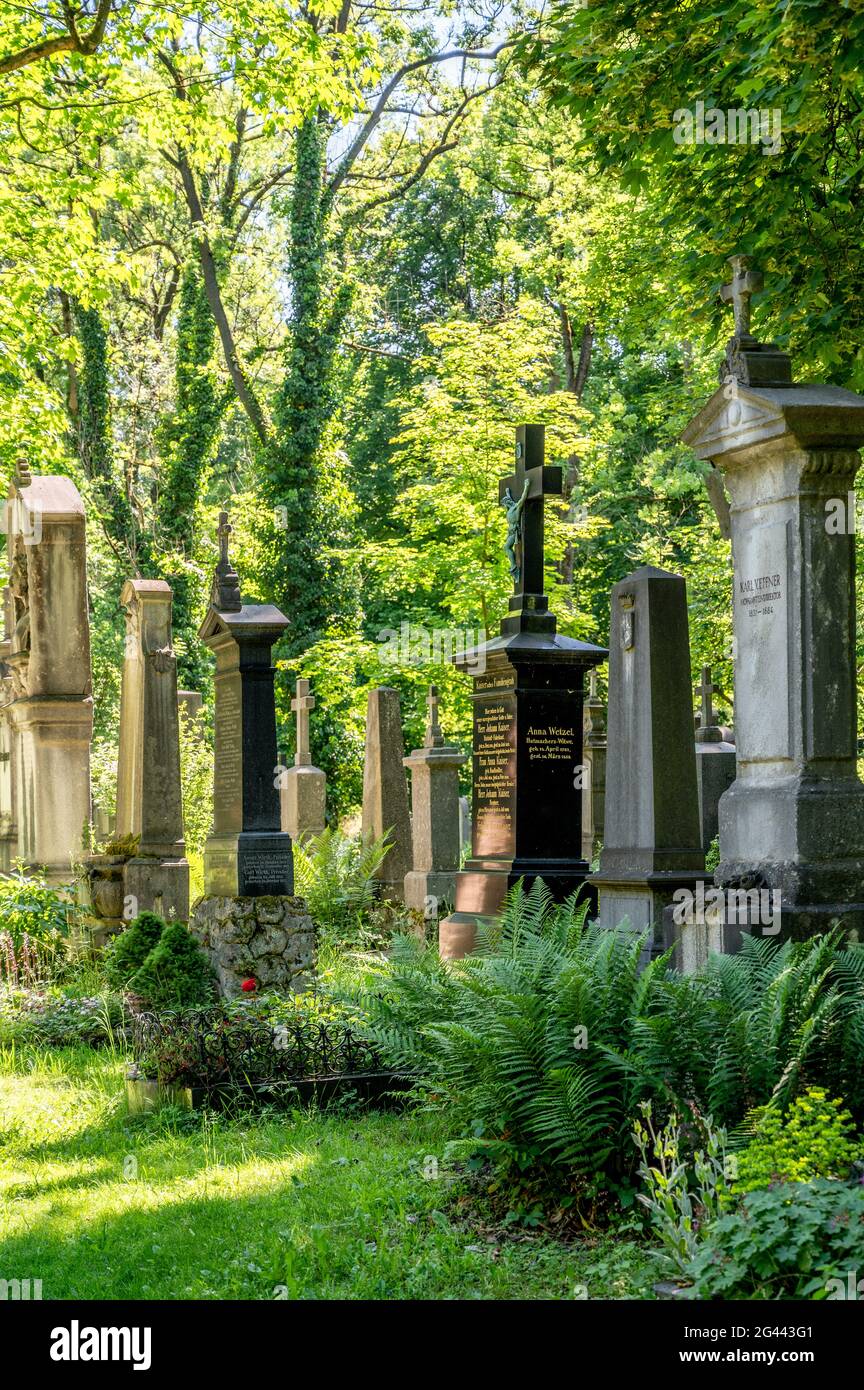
x,y
715,762
527,697
247,854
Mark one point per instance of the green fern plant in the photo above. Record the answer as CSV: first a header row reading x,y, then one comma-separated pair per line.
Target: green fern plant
x,y
543,1044
334,873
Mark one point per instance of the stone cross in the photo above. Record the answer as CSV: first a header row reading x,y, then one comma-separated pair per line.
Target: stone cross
x,y
225,597
302,704
706,690
592,684
223,532
434,732
542,482
743,284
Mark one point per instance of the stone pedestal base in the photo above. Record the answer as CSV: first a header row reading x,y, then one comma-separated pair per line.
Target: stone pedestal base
x,y
249,864
269,940
803,838
642,902
54,784
157,885
481,889
457,934
694,941
430,892
303,801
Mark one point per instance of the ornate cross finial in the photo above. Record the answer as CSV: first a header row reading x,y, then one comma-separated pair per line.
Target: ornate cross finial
x,y
225,596
434,733
744,283
23,476
302,703
224,531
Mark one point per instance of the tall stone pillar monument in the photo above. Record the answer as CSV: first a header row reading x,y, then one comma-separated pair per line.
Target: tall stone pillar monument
x,y
527,741
248,921
248,854
434,772
149,798
793,820
47,658
385,791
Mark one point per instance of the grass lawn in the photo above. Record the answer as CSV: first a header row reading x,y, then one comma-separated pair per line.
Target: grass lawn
x,y
303,1205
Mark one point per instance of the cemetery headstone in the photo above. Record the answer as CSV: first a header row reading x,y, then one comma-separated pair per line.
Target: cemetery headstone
x,y
385,790
594,758
527,731
249,922
303,788
247,854
149,796
434,772
652,844
46,661
715,762
793,820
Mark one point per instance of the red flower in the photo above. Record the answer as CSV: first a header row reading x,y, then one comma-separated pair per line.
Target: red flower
x,y
248,986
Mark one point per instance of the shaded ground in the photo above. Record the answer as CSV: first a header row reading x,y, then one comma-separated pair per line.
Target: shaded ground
x,y
300,1206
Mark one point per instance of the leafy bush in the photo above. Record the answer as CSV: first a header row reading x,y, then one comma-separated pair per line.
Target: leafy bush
x,y
784,1242
813,1140
333,872
48,1019
30,907
680,1196
544,1043
176,973
126,953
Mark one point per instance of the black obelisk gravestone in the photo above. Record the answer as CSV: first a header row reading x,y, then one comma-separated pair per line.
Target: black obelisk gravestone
x,y
247,854
528,774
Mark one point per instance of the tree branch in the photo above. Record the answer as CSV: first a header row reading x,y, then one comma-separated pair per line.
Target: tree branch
x,y
70,42
379,109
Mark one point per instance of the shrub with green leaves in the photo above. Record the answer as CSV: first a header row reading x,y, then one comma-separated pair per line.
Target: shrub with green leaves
x,y
545,1041
127,952
786,1241
814,1139
51,1018
175,974
30,907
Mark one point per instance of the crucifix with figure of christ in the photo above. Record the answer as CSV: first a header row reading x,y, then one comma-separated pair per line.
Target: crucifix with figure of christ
x,y
524,494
